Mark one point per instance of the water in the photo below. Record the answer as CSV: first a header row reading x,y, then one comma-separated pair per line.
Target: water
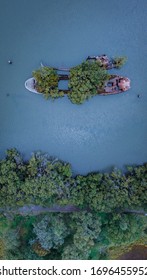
x,y
101,133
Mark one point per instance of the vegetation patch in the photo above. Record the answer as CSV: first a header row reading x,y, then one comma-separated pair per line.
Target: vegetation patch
x,y
71,236
47,82
85,79
47,181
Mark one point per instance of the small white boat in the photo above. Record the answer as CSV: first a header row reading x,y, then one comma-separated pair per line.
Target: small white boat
x,y
30,85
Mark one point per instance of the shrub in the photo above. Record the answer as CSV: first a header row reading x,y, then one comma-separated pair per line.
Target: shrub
x,y
119,61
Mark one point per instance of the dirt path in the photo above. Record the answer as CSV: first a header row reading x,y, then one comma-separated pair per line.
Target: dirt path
x,y
136,253
36,210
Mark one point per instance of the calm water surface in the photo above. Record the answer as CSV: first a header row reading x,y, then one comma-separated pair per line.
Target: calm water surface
x,y
101,133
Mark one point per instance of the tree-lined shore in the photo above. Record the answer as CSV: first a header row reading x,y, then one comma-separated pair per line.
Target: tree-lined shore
x,y
47,213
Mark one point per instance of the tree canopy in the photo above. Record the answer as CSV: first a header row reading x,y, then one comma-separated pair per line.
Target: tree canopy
x,y
47,181
84,81
47,82
72,236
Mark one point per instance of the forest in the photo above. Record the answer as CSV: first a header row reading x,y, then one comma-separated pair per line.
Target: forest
x,y
103,214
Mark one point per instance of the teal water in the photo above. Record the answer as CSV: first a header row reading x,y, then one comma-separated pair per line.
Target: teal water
x,y
101,133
